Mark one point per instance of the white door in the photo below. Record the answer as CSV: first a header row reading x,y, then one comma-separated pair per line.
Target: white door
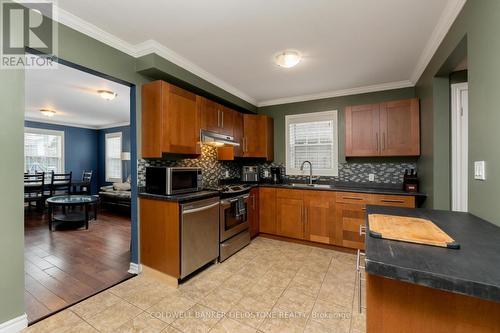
x,y
460,146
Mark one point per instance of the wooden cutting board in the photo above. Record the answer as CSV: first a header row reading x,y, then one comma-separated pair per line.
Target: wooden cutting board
x,y
409,229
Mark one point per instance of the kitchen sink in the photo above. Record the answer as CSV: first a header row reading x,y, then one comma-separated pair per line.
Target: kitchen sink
x,y
325,186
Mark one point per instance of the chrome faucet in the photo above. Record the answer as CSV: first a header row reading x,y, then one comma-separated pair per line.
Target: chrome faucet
x,y
310,171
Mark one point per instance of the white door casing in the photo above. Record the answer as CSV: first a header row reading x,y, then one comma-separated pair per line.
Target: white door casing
x,y
459,146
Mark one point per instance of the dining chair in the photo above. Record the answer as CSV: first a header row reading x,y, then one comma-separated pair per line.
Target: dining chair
x,y
84,185
33,189
60,183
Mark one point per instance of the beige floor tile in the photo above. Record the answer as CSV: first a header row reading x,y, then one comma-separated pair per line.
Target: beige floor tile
x,y
238,282
227,325
199,318
331,315
304,285
222,299
143,323
250,311
337,292
114,316
60,322
147,295
171,307
95,304
320,327
82,328
279,325
295,302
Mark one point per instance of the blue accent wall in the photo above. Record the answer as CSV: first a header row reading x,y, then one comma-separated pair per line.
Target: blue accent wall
x,y
126,171
80,149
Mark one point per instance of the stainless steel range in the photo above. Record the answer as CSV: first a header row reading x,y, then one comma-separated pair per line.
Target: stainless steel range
x,y
234,228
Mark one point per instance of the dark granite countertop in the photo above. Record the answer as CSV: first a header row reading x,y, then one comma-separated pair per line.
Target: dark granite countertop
x,y
472,270
389,189
181,197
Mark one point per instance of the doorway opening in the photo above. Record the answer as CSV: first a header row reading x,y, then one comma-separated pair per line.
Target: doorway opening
x,y
78,188
459,146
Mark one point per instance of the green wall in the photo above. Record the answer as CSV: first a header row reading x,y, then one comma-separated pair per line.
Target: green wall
x,y
278,112
11,195
477,25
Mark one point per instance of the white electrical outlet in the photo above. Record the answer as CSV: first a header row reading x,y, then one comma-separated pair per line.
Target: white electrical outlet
x,y
479,170
227,174
371,177
266,173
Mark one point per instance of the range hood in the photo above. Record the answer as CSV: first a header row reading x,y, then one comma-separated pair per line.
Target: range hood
x,y
216,139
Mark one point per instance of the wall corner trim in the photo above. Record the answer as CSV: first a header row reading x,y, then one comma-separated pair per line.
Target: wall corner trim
x,y
134,269
15,324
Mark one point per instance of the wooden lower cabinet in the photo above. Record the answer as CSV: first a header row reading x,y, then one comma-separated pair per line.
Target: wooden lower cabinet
x,y
319,216
290,213
159,236
253,212
326,217
267,210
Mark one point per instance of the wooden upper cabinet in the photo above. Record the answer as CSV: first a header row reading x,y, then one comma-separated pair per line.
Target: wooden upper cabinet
x,y
362,130
290,213
210,114
400,128
215,117
267,210
258,136
170,121
238,133
385,129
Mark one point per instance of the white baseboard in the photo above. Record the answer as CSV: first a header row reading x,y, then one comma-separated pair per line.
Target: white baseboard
x,y
134,269
14,325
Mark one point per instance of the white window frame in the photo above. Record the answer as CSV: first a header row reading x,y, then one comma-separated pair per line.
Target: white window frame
x,y
111,136
46,132
311,117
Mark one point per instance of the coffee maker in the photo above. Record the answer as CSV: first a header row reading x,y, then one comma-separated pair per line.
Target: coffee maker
x,y
276,175
250,173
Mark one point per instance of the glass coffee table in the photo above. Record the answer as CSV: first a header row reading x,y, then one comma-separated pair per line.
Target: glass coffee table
x,y
69,215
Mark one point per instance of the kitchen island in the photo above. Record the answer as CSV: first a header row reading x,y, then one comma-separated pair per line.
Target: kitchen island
x,y
420,288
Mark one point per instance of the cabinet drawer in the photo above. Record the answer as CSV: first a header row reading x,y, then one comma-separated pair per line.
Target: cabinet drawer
x,y
354,198
289,194
394,200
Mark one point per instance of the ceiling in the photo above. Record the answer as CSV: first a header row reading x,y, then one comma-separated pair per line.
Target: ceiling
x,y
73,95
349,46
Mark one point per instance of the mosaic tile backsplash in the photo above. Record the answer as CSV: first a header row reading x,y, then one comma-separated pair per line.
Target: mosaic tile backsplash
x,y
213,170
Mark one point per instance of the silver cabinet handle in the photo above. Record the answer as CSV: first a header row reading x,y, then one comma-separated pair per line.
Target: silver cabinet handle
x,y
362,229
392,201
358,260
253,202
218,118
360,269
383,141
222,113
194,210
376,139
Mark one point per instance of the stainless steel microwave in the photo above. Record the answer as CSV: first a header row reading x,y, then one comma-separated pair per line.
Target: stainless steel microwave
x,y
173,180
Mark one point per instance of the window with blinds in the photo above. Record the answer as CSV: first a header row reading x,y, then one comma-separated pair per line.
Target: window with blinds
x,y
43,150
113,151
312,137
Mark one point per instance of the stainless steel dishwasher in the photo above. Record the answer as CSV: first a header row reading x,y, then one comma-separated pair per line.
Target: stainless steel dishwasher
x,y
199,234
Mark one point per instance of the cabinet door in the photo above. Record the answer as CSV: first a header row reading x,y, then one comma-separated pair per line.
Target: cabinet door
x,y
258,136
349,218
151,120
362,130
290,213
210,114
226,121
320,216
400,128
267,210
180,118
238,133
253,212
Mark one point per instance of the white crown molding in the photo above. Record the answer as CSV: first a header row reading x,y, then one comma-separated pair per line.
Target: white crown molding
x,y
337,93
135,268
450,13
144,48
65,123
14,325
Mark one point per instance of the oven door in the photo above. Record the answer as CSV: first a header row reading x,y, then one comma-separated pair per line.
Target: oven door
x,y
183,180
232,220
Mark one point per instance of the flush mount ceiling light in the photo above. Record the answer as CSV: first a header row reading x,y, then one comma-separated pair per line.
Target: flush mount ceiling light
x,y
288,58
107,94
48,112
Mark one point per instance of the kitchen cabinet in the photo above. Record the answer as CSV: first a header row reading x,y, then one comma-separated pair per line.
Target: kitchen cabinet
x,y
170,121
385,129
267,210
400,128
319,215
253,212
258,134
290,213
238,133
215,117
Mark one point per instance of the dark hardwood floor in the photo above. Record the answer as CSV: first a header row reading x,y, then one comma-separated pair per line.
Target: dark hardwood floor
x,y
65,266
